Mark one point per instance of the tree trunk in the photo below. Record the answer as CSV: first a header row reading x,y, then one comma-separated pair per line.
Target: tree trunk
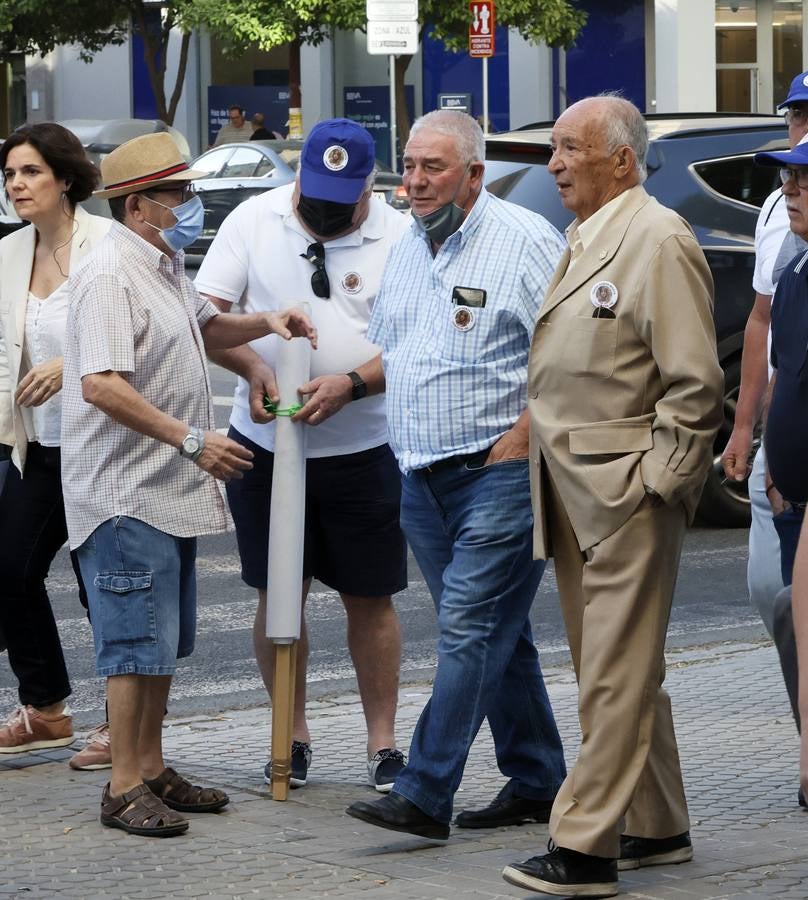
x,y
295,96
402,113
180,81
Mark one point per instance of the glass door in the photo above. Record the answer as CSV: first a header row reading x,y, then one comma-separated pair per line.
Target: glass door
x,y
736,55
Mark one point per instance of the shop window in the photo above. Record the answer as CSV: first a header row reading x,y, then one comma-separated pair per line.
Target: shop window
x,y
786,46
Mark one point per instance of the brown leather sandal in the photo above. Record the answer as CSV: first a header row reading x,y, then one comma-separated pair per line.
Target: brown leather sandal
x,y
178,793
139,812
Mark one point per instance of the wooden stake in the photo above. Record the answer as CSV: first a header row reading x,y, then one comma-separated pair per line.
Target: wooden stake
x,y
283,707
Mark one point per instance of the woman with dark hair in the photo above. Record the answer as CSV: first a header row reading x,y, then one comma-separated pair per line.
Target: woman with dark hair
x,y
46,175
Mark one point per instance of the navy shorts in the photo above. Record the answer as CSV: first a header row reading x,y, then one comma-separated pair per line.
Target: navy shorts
x,y
353,541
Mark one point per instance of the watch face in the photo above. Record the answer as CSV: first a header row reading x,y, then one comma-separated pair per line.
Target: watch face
x,y
190,444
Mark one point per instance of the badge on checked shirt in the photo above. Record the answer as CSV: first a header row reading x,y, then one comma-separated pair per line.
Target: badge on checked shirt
x,y
463,318
603,295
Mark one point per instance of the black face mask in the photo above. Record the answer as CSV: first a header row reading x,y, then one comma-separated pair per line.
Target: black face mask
x,y
325,218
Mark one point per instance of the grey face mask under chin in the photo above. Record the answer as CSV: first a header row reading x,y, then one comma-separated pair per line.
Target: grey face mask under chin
x,y
441,222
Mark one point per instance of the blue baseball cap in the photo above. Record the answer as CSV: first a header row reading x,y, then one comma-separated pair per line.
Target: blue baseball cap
x,y
796,157
798,90
335,162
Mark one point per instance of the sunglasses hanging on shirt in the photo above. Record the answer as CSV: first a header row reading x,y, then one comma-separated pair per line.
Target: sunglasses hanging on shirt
x,y
315,254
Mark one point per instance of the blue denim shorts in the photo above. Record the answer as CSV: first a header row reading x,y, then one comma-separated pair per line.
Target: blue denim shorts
x,y
141,585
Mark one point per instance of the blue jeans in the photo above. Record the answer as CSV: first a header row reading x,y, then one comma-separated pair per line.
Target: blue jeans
x,y
471,533
141,584
788,524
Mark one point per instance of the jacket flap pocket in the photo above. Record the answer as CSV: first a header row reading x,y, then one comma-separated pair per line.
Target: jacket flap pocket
x,y
611,439
123,582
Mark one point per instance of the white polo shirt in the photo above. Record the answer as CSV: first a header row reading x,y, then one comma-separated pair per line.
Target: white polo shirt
x,y
772,226
255,261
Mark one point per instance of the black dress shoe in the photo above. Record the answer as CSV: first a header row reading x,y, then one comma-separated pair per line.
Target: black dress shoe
x,y
801,799
398,814
506,809
565,873
636,851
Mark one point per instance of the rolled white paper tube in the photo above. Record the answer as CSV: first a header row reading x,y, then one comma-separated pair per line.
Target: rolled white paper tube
x,y
287,513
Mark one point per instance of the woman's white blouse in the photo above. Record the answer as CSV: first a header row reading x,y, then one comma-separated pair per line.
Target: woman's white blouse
x,y
45,323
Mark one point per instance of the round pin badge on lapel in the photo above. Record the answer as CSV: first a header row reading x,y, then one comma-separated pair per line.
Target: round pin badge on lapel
x,y
603,295
463,318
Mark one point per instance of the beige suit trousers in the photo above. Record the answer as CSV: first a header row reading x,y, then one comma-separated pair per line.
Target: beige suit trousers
x,y
616,601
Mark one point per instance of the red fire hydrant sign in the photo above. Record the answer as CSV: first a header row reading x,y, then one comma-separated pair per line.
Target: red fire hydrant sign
x,y
481,28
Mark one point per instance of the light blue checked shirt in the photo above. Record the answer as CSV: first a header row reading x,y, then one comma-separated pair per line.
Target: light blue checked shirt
x,y
450,391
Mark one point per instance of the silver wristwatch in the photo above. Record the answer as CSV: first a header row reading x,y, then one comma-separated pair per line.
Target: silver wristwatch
x,y
193,444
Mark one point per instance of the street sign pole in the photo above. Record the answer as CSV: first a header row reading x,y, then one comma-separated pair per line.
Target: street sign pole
x,y
485,96
393,127
392,30
481,43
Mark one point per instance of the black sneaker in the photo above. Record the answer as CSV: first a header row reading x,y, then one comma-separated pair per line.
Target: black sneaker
x,y
636,852
565,873
301,760
384,767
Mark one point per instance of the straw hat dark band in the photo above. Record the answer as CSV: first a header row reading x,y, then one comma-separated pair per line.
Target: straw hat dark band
x,y
150,161
153,176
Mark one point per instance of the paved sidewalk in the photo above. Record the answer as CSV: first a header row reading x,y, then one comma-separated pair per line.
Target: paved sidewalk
x,y
739,751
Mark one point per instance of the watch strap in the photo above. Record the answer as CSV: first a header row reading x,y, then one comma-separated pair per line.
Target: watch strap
x,y
199,436
359,389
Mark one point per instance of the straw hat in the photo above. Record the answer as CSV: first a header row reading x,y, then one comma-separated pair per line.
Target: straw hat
x,y
144,163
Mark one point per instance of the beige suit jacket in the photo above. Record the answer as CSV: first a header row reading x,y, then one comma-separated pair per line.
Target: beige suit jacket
x,y
16,264
625,404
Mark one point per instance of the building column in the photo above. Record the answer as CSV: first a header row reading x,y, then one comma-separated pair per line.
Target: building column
x,y
530,81
317,83
684,56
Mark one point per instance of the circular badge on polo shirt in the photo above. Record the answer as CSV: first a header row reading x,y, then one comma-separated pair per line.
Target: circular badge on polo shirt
x,y
352,282
335,158
463,318
603,294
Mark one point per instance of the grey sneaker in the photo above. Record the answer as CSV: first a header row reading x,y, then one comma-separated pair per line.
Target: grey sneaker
x,y
384,767
301,760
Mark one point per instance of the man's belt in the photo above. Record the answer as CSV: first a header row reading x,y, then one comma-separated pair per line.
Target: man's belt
x,y
454,462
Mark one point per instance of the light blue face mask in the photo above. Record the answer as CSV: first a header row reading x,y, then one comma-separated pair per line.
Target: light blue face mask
x,y
190,217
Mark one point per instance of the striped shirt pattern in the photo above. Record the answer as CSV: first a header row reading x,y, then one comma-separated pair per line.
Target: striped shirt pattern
x,y
449,391
133,311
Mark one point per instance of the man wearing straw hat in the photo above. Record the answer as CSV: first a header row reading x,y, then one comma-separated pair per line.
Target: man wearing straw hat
x,y
139,449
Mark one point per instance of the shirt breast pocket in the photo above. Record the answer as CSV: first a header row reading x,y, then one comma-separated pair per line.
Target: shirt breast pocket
x,y
462,334
589,346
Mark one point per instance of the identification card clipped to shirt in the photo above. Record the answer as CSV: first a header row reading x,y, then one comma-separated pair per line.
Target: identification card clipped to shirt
x,y
466,296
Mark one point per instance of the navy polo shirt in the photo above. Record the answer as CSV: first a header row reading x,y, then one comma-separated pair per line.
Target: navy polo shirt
x,y
786,435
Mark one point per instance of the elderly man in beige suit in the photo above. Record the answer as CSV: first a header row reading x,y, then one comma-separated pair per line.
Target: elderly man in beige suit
x,y
624,394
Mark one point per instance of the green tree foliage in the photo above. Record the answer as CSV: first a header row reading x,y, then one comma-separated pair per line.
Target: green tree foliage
x,y
37,26
556,23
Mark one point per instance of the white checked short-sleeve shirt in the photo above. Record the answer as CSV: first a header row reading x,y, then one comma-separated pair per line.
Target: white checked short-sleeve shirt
x,y
133,311
457,382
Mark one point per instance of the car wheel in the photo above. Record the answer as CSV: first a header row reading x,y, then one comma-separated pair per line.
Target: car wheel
x,y
726,503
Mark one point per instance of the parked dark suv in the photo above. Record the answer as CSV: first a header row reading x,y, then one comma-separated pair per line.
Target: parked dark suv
x,y
701,166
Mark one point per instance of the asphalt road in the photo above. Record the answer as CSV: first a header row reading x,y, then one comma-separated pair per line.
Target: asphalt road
x,y
711,605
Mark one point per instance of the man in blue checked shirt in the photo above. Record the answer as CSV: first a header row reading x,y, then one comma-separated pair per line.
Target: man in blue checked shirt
x,y
454,317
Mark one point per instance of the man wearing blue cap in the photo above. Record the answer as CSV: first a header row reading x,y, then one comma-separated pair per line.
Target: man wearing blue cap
x,y
775,246
786,436
324,239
